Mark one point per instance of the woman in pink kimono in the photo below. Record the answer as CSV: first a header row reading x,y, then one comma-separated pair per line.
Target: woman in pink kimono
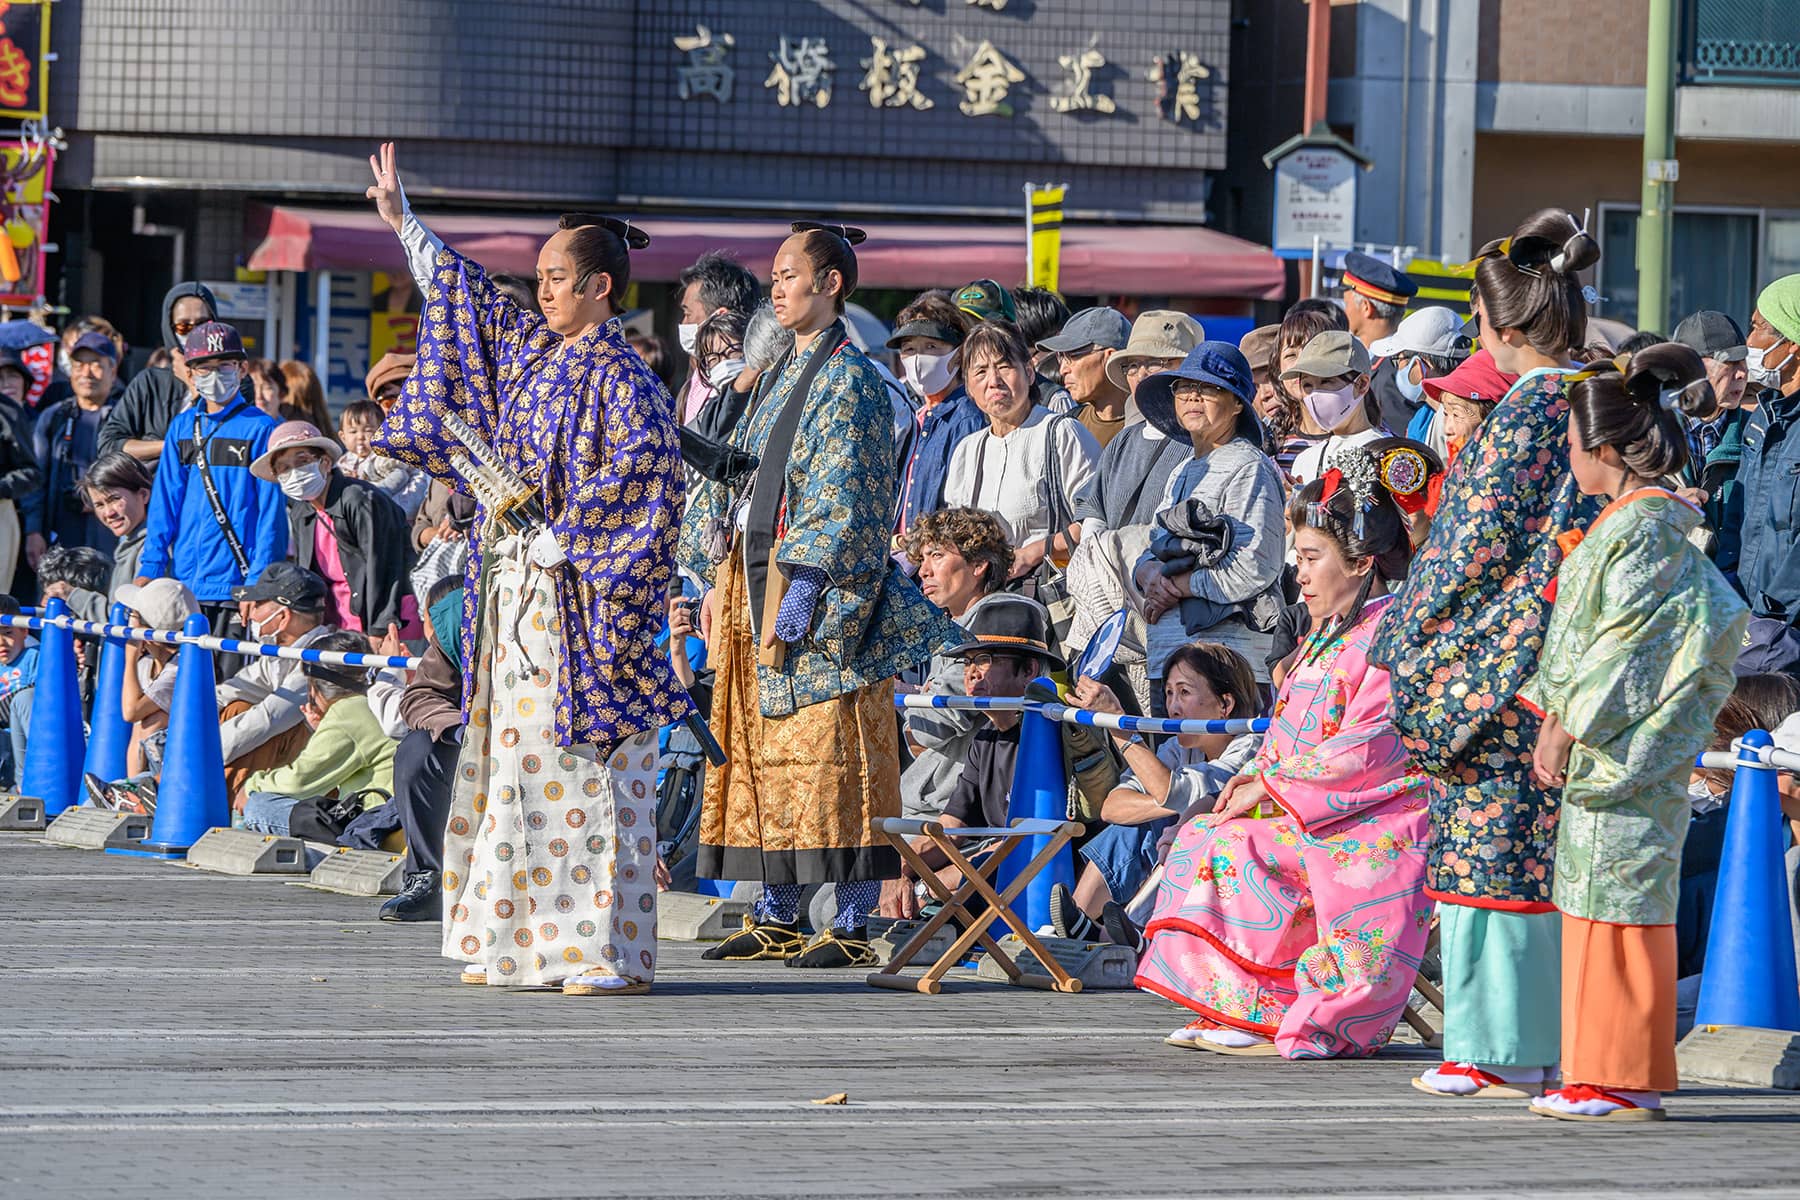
x,y
1292,918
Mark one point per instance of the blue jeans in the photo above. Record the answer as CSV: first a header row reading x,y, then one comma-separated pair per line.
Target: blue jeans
x,y
18,729
1125,855
267,812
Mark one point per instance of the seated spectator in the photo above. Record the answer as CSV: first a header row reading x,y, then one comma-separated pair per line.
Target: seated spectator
x,y
928,335
140,420
425,762
1223,508
19,474
65,440
1332,375
1083,349
350,532
1008,647
79,576
305,395
149,689
1293,916
260,724
18,684
1027,467
117,487
963,562
382,384
269,385
404,485
347,765
1174,784
212,524
1118,507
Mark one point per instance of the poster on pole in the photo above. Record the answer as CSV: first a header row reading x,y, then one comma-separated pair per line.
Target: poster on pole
x,y
1044,217
24,218
24,59
1315,197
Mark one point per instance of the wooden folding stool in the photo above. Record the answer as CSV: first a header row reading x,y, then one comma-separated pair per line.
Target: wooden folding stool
x,y
977,883
1428,1034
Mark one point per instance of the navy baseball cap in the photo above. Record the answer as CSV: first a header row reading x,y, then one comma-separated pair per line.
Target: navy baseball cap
x,y
213,340
287,584
97,343
1220,364
1770,647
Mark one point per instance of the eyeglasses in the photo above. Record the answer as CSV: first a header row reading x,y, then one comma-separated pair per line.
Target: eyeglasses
x,y
1139,367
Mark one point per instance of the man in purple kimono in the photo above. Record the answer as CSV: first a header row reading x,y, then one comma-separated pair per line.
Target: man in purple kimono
x,y
550,855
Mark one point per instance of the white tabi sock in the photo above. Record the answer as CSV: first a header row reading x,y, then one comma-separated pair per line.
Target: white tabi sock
x,y
1586,1102
1464,1085
1237,1039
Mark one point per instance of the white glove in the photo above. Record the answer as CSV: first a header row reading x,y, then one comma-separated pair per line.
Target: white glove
x,y
545,550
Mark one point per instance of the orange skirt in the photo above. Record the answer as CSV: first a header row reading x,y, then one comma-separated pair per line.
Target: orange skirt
x,y
1618,1005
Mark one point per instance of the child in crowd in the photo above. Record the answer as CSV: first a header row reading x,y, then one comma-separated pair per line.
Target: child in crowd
x,y
347,765
1463,400
80,577
117,487
18,683
1637,662
148,693
1203,681
1333,376
405,485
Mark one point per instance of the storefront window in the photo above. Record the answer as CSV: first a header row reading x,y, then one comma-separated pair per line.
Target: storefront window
x,y
1715,263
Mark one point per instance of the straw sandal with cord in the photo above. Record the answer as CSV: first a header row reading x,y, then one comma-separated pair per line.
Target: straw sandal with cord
x,y
837,948
1203,1033
1480,1084
477,976
754,941
600,983
1584,1102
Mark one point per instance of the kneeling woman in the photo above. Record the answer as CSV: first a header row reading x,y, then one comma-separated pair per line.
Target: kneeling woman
x,y
1292,918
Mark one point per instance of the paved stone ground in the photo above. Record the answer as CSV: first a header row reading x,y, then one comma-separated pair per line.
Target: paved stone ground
x,y
174,1033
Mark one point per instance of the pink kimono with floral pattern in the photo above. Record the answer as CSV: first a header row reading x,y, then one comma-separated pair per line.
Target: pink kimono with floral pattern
x,y
1306,926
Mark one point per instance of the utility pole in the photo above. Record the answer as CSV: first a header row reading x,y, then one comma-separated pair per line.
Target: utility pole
x,y
1656,215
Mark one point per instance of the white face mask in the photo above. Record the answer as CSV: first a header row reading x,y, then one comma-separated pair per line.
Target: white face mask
x,y
1403,379
724,373
929,374
1330,409
216,387
1762,373
689,336
302,483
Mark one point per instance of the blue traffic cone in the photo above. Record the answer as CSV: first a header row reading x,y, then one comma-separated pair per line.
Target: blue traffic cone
x,y
191,798
1749,977
1040,790
54,747
109,733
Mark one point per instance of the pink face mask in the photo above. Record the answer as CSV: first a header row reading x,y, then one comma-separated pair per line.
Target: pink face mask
x,y
1331,409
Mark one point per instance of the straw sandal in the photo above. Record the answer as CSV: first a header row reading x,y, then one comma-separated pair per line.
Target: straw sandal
x,y
589,984
1626,1113
1492,1086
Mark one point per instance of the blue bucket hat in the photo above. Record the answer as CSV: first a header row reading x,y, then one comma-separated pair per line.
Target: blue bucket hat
x,y
1220,364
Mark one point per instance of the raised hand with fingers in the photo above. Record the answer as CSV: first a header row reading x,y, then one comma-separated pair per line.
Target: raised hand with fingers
x,y
386,192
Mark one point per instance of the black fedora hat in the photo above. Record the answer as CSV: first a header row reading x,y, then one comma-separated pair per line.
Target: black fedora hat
x,y
1009,624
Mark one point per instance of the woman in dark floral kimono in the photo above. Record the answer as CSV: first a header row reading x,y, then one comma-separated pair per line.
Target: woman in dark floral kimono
x,y
549,855
1461,639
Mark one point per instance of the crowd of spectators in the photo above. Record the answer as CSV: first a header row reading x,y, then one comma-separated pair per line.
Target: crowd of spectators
x,y
1055,469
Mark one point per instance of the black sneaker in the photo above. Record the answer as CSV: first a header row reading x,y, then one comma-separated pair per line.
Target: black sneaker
x,y
1121,930
421,898
769,940
837,948
1066,917
96,790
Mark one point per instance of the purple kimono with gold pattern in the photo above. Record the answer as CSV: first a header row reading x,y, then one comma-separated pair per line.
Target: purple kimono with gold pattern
x,y
593,430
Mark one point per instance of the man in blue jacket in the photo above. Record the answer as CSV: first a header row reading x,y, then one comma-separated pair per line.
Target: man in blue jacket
x,y
212,524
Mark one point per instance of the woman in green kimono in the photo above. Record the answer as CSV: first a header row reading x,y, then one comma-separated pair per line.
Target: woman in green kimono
x,y
811,621
1636,664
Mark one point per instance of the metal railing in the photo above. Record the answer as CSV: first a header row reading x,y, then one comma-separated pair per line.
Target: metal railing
x,y
1755,42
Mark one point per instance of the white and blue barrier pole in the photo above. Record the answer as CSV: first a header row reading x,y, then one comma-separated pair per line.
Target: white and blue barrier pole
x,y
109,733
54,746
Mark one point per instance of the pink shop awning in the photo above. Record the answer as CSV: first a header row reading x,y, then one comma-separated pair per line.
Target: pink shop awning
x,y
1181,260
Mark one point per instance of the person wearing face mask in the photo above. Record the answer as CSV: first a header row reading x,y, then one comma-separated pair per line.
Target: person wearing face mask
x,y
260,721
350,532
212,524
1332,377
140,420
716,283
928,336
1768,477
